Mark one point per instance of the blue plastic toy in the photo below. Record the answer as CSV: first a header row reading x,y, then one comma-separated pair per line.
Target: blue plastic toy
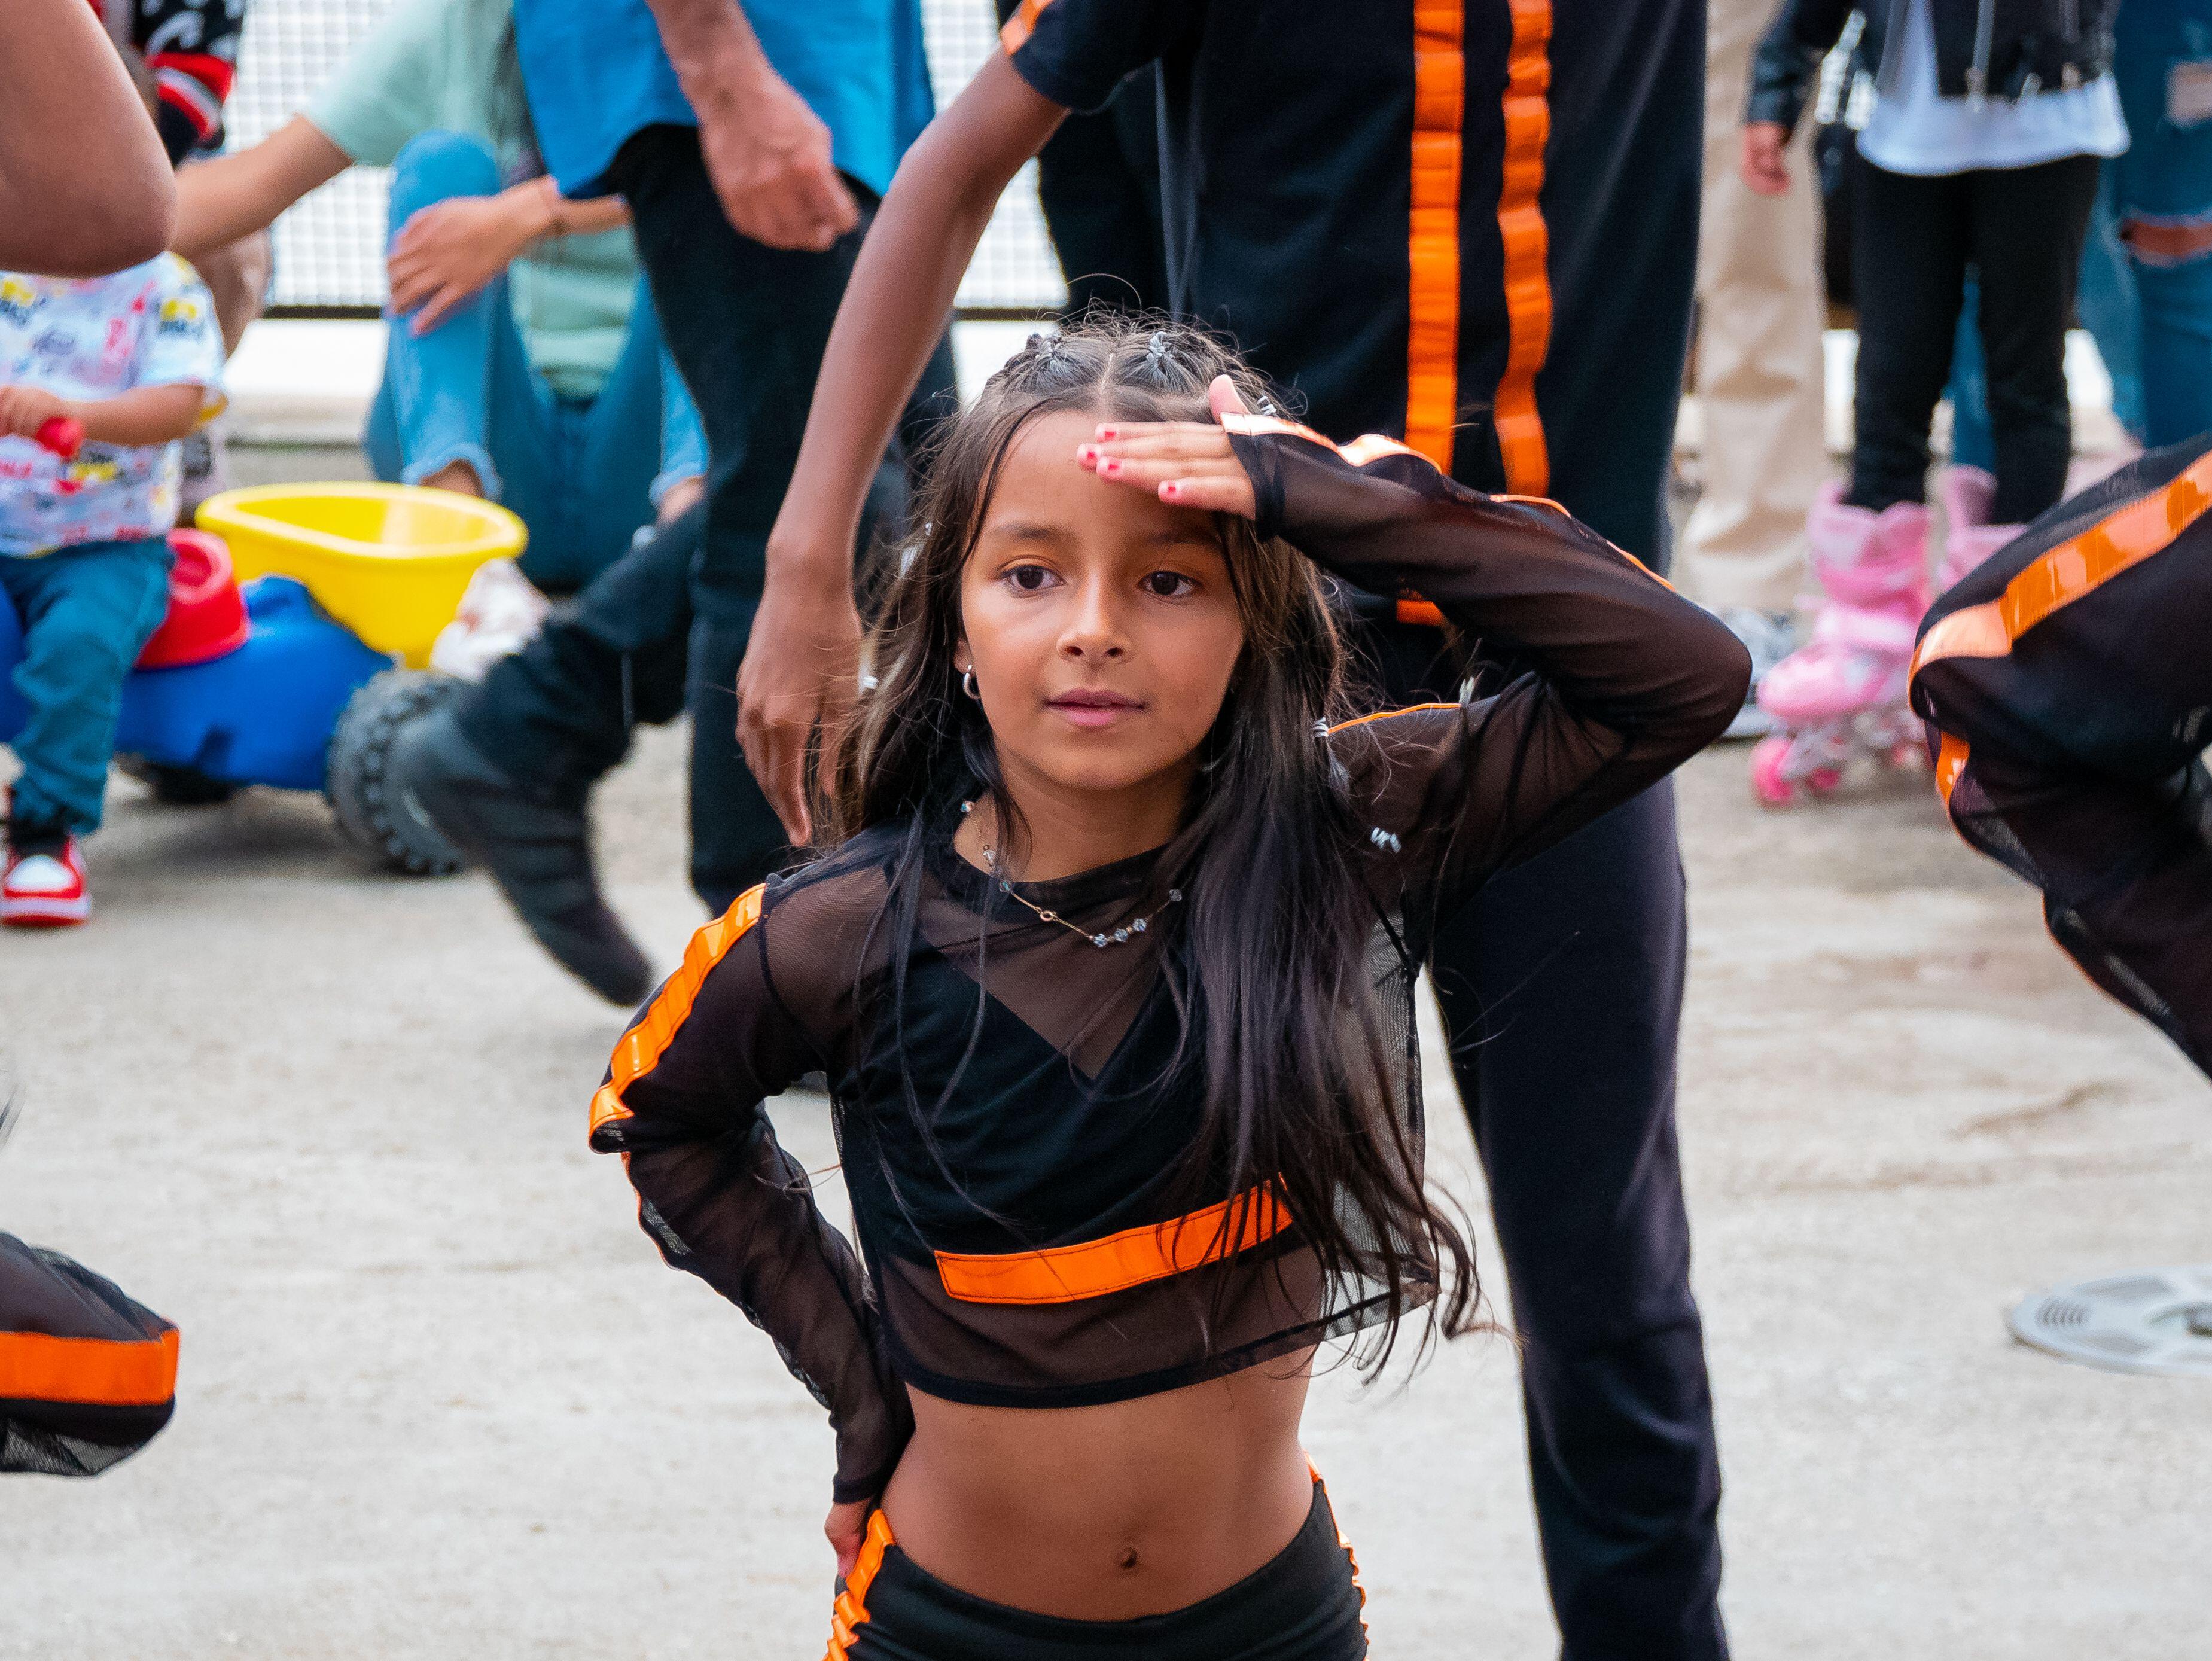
x,y
301,704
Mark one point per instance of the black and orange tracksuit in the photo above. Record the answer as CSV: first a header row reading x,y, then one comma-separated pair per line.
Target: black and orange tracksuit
x,y
2068,688
87,1376
1472,224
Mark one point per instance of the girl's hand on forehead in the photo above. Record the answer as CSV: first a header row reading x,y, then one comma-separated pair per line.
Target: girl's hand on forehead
x,y
1187,464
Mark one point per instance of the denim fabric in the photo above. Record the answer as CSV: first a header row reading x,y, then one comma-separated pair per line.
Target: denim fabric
x,y
582,473
87,612
2165,178
2152,320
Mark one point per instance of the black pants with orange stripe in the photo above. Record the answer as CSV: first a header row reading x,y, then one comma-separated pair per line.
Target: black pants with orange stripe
x,y
2068,686
1561,983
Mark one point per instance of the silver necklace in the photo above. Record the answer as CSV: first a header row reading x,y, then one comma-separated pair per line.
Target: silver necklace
x,y
1118,937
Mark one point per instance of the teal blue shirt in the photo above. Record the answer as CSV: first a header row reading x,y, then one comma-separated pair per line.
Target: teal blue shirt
x,y
596,73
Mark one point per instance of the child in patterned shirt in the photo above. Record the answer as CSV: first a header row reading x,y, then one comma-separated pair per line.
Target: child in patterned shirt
x,y
135,360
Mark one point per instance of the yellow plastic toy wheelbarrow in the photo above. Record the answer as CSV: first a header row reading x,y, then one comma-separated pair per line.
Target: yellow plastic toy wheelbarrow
x,y
390,561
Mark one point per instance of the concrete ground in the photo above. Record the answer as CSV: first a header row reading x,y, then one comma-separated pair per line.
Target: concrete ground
x,y
439,1398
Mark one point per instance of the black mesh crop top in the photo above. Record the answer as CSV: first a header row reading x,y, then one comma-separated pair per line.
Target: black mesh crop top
x,y
1031,1256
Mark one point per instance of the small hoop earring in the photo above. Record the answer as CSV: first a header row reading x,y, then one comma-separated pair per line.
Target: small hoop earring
x,y
968,685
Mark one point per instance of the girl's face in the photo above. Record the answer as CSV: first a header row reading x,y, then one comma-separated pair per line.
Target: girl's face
x,y
1099,620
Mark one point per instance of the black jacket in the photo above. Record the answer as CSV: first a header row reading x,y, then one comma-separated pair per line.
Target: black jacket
x,y
1984,48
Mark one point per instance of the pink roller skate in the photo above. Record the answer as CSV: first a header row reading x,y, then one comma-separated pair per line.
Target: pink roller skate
x,y
1842,695
1968,536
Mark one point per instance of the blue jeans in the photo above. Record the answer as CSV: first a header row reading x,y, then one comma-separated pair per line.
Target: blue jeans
x,y
2151,317
2166,179
581,473
86,612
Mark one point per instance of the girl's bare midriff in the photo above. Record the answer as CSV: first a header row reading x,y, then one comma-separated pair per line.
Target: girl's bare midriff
x,y
1107,1513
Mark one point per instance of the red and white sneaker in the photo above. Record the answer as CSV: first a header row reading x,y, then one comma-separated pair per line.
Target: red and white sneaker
x,y
45,890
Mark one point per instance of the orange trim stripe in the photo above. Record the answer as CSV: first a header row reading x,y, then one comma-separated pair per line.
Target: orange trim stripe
x,y
1527,244
1153,1251
1385,715
850,1612
640,1048
2057,577
1432,230
1951,756
37,1366
1015,34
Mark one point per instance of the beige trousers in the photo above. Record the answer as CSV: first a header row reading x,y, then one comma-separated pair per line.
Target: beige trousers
x,y
1758,374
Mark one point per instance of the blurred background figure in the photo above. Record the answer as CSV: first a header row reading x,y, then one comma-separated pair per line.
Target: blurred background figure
x,y
1983,150
183,54
1756,369
524,360
2145,292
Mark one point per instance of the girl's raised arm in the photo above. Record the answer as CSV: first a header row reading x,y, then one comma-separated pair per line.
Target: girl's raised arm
x,y
723,1200
1612,679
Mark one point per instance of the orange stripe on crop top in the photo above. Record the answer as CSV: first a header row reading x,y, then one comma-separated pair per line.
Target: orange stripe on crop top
x,y
641,1047
1153,1251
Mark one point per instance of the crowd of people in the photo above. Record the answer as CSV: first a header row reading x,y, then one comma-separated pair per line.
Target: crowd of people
x,y
1082,780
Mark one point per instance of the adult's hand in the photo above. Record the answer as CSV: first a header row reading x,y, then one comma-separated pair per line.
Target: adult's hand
x,y
801,670
1763,169
770,158
447,252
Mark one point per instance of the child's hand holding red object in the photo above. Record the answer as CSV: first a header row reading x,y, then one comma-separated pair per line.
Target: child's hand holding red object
x,y
24,410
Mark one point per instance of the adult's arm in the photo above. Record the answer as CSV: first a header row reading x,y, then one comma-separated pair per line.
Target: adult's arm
x,y
85,185
806,640
228,197
769,155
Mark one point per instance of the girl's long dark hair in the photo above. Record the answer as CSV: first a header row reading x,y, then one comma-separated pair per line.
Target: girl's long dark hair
x,y
1304,1067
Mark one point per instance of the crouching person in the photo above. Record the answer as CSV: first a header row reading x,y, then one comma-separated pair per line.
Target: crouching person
x,y
114,371
2068,688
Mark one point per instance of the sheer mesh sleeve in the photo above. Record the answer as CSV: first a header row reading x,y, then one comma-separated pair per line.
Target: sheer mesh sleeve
x,y
1612,679
682,1103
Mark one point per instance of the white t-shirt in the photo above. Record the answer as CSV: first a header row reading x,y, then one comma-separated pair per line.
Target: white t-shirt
x,y
1914,130
151,325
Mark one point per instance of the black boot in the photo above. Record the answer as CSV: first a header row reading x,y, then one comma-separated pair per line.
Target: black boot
x,y
538,852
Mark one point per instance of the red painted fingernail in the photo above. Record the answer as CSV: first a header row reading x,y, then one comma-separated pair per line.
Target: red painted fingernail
x,y
1086,452
1109,432
1171,488
1111,465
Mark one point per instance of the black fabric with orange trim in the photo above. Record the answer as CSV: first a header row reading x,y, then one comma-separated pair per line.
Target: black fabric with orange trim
x,y
1032,1249
2067,684
86,1377
1304,1604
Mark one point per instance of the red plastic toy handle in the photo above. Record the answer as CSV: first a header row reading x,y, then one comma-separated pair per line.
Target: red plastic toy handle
x,y
63,435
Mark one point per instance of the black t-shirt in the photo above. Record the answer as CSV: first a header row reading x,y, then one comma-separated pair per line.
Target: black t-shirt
x,y
1338,198
1027,1251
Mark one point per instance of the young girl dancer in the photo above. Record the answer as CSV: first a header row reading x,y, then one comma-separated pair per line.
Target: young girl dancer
x,y
1112,979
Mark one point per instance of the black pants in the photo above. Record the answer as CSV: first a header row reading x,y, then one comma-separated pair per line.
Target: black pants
x,y
664,629
2070,737
1913,239
1304,1604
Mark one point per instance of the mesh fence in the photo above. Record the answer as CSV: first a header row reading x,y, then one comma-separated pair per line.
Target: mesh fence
x,y
329,248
